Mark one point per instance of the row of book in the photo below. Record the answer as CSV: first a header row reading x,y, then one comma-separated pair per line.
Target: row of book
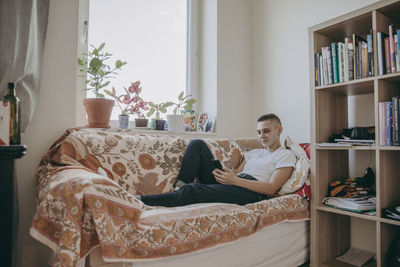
x,y
354,58
345,61
389,122
388,47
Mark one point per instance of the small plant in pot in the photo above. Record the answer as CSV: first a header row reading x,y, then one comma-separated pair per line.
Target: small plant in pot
x,y
93,66
130,103
157,109
176,121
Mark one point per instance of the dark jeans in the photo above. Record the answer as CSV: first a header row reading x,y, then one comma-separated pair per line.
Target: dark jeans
x,y
197,163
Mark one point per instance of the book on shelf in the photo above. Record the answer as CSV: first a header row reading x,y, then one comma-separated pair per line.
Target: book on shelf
x,y
316,67
387,55
321,74
364,60
388,123
329,64
395,120
382,122
370,54
380,36
341,61
398,49
359,204
335,63
392,50
349,57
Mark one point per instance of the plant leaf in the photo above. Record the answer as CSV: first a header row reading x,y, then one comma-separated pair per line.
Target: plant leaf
x,y
101,46
108,92
150,113
180,96
95,64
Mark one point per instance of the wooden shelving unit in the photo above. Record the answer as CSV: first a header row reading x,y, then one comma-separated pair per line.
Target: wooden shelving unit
x,y
332,230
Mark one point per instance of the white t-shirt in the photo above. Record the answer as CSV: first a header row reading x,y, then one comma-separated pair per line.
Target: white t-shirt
x,y
261,163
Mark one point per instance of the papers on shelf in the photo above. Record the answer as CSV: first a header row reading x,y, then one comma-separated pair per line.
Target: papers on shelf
x,y
334,145
356,142
356,256
392,213
355,204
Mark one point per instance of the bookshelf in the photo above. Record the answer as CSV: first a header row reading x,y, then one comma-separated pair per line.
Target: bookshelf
x,y
334,231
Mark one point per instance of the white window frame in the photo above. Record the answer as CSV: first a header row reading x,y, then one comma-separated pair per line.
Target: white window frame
x,y
192,53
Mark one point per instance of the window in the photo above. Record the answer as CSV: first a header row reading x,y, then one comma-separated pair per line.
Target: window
x,y
152,36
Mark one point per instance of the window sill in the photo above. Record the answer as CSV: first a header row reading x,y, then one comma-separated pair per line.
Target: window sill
x,y
138,130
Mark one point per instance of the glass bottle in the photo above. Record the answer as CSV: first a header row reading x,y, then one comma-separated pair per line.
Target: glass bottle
x,y
15,114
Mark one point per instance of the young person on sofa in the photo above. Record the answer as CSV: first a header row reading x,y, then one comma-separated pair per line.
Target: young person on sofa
x,y
259,176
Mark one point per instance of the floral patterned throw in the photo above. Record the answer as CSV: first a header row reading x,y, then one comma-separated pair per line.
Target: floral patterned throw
x,y
79,209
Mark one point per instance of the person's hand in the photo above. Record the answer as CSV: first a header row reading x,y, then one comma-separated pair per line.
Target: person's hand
x,y
225,176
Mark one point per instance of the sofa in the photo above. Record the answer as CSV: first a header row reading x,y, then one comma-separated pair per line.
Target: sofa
x,y
86,207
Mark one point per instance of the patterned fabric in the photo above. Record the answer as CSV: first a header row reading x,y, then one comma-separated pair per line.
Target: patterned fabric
x,y
79,209
141,164
225,150
301,171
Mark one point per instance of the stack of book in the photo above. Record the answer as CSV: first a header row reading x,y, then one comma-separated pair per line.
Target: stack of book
x,y
389,122
345,61
388,47
361,204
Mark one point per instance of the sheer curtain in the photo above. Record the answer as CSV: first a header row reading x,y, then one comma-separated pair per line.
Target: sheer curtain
x,y
23,25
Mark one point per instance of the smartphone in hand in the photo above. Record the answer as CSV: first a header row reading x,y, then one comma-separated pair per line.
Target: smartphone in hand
x,y
216,163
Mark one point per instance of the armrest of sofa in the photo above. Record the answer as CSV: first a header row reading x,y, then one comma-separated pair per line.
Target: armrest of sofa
x,y
71,201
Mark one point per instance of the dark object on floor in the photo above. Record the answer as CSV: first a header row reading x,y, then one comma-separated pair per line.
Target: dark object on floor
x,y
393,255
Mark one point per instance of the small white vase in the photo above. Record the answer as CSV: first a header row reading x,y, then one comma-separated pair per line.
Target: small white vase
x,y
176,123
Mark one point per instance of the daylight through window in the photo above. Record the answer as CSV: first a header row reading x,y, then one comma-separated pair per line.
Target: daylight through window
x,y
151,35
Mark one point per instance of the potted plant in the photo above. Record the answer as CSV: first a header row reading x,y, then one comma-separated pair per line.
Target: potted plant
x,y
158,109
176,121
130,103
93,66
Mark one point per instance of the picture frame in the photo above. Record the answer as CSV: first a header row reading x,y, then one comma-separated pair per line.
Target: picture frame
x,y
205,122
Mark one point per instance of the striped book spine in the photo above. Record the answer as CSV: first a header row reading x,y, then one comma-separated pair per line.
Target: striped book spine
x,y
388,123
382,122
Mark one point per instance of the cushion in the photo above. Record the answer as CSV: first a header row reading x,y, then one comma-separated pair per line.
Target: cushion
x,y
301,171
225,150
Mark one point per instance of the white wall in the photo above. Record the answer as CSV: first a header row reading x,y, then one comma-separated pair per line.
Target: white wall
x,y
280,57
234,94
54,113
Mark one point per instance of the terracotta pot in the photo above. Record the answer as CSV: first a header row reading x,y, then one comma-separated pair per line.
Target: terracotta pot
x,y
141,122
98,111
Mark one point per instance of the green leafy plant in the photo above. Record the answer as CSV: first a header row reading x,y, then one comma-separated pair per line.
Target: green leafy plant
x,y
184,103
93,66
158,109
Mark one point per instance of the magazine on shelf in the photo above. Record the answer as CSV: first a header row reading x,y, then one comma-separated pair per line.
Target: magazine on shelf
x,y
334,145
356,141
356,204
